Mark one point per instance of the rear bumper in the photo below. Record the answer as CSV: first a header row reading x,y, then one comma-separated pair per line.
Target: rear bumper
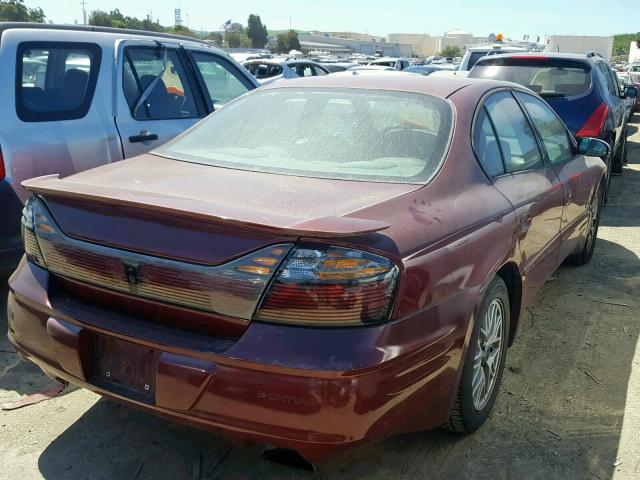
x,y
304,389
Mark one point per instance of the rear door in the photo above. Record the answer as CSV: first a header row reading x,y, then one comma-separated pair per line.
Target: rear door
x,y
571,168
508,149
56,100
157,95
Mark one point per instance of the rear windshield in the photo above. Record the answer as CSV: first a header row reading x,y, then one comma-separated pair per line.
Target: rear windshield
x,y
553,79
350,134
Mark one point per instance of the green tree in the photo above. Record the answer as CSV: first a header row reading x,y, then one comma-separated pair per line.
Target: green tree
x,y
451,51
233,39
181,30
215,38
288,41
257,32
16,11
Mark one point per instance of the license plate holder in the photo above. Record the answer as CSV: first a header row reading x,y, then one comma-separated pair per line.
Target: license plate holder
x,y
124,368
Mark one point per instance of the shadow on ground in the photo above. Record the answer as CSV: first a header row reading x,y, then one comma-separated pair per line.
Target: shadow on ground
x,y
559,413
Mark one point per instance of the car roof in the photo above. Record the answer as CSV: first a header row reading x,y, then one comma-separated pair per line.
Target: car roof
x,y
441,87
4,26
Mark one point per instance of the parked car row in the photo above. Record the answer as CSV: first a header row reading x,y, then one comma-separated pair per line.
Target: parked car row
x,y
320,262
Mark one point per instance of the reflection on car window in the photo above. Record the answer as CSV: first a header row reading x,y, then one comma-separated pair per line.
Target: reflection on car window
x,y
554,134
222,83
56,80
486,145
339,133
170,98
515,137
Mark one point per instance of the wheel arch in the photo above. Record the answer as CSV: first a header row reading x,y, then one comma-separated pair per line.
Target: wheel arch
x,y
510,274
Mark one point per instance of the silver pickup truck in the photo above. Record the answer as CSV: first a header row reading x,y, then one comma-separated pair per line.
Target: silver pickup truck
x,y
78,97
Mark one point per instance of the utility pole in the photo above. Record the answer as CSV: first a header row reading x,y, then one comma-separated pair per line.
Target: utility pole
x,y
84,12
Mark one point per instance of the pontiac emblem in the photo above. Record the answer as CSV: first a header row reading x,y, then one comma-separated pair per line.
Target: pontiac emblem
x,y
131,274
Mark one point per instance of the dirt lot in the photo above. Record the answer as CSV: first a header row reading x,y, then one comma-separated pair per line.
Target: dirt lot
x,y
569,406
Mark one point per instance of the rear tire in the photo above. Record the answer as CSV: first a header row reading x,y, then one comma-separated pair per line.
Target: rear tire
x,y
583,255
621,155
484,362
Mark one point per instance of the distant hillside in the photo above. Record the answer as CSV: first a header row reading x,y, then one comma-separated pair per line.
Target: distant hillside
x,y
622,41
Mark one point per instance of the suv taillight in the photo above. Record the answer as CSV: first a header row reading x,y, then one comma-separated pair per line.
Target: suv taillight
x,y
595,123
3,172
330,286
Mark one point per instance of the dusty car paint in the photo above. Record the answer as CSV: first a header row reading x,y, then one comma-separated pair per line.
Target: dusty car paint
x,y
314,390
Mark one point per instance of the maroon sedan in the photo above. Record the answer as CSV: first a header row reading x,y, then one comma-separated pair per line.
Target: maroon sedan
x,y
317,265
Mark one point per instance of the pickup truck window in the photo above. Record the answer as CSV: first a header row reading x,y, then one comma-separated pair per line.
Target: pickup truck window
x,y
55,80
170,98
221,82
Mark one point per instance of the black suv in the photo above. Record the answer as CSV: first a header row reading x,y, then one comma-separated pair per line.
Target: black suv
x,y
582,89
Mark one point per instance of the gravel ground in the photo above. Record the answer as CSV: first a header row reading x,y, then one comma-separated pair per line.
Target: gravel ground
x,y
568,406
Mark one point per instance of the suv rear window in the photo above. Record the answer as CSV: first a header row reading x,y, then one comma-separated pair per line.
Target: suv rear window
x,y
552,78
55,80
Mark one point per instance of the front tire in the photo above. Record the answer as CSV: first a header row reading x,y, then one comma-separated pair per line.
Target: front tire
x,y
484,362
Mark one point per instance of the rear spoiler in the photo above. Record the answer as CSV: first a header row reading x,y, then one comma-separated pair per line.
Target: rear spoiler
x,y
52,185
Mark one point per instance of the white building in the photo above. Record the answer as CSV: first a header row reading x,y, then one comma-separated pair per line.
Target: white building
x,y
425,45
368,47
581,44
634,52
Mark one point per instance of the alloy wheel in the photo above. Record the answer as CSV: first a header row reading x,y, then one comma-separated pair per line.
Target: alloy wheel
x,y
593,219
486,361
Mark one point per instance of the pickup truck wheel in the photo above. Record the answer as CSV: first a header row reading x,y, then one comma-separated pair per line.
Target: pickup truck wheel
x,y
484,362
588,244
621,155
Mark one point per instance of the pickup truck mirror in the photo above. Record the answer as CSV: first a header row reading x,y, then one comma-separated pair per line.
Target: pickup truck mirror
x,y
630,91
593,147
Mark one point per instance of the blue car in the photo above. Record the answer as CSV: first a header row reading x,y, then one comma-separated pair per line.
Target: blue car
x,y
582,89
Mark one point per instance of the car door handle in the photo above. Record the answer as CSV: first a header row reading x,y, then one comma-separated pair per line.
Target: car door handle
x,y
143,137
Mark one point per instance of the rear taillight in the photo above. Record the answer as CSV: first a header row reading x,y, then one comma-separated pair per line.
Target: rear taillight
x,y
3,172
29,221
330,286
595,123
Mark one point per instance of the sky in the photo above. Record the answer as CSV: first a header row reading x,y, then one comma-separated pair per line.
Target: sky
x,y
514,18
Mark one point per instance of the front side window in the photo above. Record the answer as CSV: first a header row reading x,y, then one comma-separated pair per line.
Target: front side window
x,y
221,82
606,76
554,134
304,70
155,90
55,80
366,135
517,141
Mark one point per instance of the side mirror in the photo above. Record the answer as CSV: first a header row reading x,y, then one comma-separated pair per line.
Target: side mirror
x,y
593,147
630,91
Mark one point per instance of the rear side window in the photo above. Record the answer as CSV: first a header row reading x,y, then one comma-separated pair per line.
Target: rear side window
x,y
515,136
554,134
155,91
486,145
553,78
220,80
55,80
